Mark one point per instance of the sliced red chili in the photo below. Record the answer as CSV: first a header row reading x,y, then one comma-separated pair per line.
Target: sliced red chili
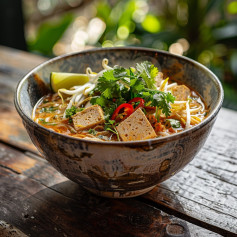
x,y
150,107
135,100
122,112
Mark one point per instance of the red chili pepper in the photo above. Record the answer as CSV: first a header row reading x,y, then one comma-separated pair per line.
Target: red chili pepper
x,y
150,107
124,109
135,100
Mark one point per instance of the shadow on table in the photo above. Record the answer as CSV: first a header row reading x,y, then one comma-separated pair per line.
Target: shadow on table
x,y
66,209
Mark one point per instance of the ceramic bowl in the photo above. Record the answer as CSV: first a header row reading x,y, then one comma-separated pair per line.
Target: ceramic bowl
x,y
119,169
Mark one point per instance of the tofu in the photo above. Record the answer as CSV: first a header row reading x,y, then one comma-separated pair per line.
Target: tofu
x,y
136,127
181,92
88,118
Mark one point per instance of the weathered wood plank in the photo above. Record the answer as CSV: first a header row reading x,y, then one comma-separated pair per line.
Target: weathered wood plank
x,y
14,64
19,60
34,168
8,230
12,130
66,209
25,180
196,231
206,188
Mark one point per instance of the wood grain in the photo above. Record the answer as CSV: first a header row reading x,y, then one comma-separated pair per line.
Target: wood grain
x,y
205,192
63,208
8,230
14,65
207,188
38,201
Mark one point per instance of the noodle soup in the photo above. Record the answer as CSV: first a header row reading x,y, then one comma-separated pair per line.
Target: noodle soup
x,y
121,104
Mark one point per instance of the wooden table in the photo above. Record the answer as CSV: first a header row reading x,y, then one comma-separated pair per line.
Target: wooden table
x,y
35,200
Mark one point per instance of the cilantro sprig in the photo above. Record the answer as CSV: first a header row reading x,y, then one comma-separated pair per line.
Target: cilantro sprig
x,y
111,126
92,131
172,123
48,109
46,123
70,112
119,85
158,99
148,72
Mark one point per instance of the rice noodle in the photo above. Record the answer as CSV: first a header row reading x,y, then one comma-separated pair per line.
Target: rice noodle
x,y
195,120
180,102
89,89
188,115
164,84
201,103
78,98
164,134
189,112
71,129
195,110
77,89
171,85
83,101
69,105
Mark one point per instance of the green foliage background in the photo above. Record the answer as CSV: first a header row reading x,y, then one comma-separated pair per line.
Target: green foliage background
x,y
210,27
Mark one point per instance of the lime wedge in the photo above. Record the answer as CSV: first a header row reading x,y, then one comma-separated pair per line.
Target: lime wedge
x,y
59,80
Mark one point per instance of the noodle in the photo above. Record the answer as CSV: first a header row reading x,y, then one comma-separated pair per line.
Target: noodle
x,y
52,110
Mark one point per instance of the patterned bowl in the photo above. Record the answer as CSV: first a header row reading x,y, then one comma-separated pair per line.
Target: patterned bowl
x,y
119,169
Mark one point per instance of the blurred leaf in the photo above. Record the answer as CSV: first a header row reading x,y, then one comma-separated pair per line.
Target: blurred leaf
x,y
232,7
230,96
151,24
233,62
212,5
103,10
227,31
48,34
208,26
168,37
128,11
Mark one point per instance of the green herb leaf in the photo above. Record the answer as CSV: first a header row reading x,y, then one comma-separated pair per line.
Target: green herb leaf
x,y
48,109
148,72
73,110
46,123
119,85
92,131
111,126
107,85
173,123
159,99
136,85
120,73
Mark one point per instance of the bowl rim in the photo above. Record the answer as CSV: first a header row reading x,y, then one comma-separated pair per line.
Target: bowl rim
x,y
149,142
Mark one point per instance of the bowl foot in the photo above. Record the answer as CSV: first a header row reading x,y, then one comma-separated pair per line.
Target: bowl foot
x,y
120,194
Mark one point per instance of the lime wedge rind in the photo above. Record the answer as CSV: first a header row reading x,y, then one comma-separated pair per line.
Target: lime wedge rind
x,y
59,80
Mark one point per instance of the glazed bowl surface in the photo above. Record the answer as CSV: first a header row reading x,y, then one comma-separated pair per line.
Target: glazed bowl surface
x,y
119,169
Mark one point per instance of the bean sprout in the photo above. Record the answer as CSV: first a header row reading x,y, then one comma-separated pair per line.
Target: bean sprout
x,y
188,115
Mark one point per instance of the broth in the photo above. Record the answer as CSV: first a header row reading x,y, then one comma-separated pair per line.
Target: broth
x,y
61,112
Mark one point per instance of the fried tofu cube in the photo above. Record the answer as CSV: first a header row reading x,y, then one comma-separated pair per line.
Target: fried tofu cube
x,y
88,118
181,92
136,127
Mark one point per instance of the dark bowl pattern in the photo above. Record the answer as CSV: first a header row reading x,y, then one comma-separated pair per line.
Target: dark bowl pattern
x,y
119,169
